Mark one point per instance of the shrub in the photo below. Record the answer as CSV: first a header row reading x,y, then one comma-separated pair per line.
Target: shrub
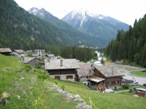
x,y
43,76
126,86
28,68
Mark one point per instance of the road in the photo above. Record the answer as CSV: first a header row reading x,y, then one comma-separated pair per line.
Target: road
x,y
140,80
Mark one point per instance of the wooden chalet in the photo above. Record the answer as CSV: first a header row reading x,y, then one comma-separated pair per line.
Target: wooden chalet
x,y
110,79
63,69
5,51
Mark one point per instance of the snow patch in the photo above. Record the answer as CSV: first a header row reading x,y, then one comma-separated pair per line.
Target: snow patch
x,y
34,11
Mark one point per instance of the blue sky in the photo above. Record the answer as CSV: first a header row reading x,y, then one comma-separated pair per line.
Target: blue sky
x,y
124,10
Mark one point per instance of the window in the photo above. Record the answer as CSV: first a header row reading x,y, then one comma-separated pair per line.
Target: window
x,y
57,77
69,77
116,82
109,82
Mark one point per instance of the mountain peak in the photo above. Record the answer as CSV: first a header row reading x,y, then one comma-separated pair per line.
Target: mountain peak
x,y
101,26
33,10
39,12
83,12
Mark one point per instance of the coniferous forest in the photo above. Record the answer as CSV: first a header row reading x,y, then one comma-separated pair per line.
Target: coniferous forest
x,y
130,45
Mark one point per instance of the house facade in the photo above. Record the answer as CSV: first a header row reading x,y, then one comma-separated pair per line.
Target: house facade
x,y
111,80
63,69
39,52
64,74
104,78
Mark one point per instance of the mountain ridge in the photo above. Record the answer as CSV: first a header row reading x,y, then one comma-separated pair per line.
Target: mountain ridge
x,y
19,29
72,32
99,25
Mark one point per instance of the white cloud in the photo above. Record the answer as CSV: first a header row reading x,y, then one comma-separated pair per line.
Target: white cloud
x,y
123,10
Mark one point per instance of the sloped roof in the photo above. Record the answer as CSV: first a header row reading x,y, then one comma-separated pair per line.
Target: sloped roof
x,y
96,79
66,64
4,50
28,59
19,51
84,69
108,70
50,55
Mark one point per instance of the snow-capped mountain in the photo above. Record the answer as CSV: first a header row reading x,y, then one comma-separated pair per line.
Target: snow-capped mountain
x,y
101,26
42,13
69,31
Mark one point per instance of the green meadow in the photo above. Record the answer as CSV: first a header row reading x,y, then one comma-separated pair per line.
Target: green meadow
x,y
28,88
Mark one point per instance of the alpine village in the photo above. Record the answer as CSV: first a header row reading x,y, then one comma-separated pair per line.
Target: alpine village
x,y
78,62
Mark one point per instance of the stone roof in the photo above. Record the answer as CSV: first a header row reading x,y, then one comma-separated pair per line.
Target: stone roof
x,y
50,55
108,70
61,64
4,50
19,51
28,59
84,69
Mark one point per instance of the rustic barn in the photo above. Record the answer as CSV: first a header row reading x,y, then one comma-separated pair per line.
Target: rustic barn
x,y
112,79
63,69
5,51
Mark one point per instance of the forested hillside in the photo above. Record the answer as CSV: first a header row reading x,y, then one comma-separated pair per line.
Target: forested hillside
x,y
77,36
19,29
130,45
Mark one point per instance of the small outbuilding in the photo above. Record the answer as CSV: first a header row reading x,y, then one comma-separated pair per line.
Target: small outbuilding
x,y
33,61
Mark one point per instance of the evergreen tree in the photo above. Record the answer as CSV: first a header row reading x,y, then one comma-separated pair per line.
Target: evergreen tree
x,y
130,45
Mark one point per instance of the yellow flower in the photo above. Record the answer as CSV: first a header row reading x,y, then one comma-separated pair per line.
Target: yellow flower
x,y
4,95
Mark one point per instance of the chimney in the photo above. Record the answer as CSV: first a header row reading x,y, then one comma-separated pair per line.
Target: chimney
x,y
61,63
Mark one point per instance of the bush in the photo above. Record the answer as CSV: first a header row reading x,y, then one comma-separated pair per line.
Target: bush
x,y
43,76
28,68
126,86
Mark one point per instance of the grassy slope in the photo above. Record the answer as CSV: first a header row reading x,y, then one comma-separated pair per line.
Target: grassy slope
x,y
34,92
26,89
9,62
106,100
